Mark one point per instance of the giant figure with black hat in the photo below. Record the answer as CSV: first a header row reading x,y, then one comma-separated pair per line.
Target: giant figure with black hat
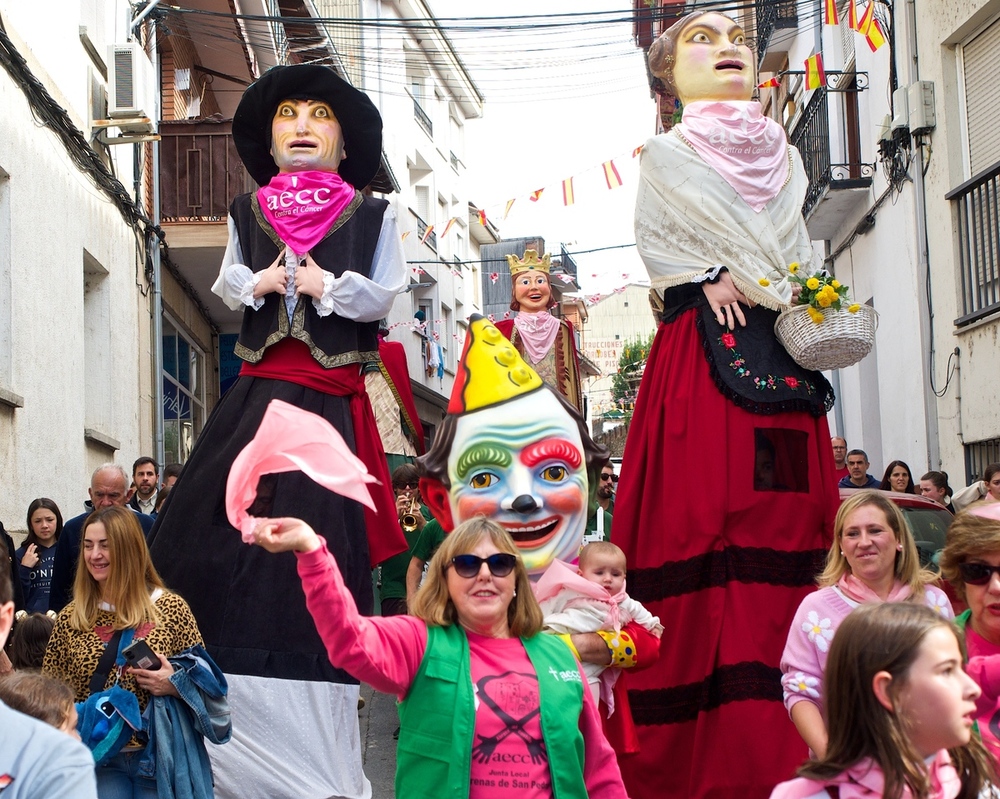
x,y
313,264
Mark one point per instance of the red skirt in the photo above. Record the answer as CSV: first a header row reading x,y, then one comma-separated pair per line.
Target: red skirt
x,y
725,517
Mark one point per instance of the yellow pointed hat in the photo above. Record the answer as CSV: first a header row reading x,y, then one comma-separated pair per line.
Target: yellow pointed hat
x,y
490,371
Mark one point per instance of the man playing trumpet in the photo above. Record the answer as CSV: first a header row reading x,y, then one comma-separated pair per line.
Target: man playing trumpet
x,y
412,517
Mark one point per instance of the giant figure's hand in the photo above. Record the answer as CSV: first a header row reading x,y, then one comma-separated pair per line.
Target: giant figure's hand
x,y
272,279
724,299
285,535
309,278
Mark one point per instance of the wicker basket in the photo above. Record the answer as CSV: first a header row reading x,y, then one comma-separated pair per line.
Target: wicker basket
x,y
840,340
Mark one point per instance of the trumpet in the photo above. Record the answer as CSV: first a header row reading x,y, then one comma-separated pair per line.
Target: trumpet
x,y
408,521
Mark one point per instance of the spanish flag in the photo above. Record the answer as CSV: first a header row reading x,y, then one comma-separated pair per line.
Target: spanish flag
x,y
567,185
770,83
482,217
830,18
614,180
447,227
427,233
536,195
875,37
852,15
866,19
507,209
815,74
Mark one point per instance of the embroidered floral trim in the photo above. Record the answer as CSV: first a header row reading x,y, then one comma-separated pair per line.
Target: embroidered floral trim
x,y
818,631
762,383
800,683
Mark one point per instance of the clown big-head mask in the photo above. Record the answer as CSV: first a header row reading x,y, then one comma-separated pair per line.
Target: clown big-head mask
x,y
514,451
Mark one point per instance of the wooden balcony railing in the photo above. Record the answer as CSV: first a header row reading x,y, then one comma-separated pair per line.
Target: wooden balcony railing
x,y
977,206
200,171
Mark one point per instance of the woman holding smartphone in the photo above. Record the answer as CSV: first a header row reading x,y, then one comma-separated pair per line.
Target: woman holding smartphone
x,y
121,607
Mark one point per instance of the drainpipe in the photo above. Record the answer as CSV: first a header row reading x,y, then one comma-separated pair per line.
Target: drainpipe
x,y
157,331
931,427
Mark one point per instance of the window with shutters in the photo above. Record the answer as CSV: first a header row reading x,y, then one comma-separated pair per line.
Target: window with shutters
x,y
977,200
982,97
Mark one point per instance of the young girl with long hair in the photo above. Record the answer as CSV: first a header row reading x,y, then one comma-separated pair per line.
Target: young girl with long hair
x,y
36,556
900,711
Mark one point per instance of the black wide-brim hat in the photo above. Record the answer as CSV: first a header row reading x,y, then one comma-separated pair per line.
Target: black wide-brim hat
x,y
359,120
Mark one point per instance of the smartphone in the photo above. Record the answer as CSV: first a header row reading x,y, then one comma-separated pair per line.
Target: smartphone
x,y
139,656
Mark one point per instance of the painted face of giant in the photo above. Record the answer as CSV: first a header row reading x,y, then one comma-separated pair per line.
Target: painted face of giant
x,y
305,134
521,464
712,61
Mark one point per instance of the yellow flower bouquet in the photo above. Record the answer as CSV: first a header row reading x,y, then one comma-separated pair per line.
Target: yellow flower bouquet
x,y
821,330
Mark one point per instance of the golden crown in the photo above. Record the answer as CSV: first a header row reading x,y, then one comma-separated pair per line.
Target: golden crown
x,y
530,261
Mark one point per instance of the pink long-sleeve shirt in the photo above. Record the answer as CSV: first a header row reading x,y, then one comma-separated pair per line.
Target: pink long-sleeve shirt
x,y
386,653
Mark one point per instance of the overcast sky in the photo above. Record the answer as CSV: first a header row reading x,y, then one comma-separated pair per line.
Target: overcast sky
x,y
562,97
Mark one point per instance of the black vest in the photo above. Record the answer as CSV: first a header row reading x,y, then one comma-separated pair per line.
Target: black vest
x,y
348,246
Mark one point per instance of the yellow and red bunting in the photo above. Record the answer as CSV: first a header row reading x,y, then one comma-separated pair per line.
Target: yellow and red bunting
x,y
611,176
427,233
447,227
830,17
567,187
866,19
507,209
770,83
852,15
815,74
405,234
482,218
636,151
875,37
536,195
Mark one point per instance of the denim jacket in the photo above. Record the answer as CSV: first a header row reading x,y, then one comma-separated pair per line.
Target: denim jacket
x,y
175,755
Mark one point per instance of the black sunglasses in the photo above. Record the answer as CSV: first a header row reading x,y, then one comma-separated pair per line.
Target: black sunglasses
x,y
407,486
612,477
977,573
501,564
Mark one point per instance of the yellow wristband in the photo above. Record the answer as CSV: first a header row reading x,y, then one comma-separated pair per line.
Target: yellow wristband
x,y
566,639
622,648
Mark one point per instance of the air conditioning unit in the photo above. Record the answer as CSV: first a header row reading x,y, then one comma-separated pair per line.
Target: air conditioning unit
x,y
131,84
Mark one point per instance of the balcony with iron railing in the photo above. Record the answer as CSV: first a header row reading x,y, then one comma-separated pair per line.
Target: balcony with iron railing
x,y
423,118
200,171
775,19
835,189
977,212
431,239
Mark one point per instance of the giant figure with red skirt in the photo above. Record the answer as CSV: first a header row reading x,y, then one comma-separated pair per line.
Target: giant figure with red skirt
x,y
727,496
314,264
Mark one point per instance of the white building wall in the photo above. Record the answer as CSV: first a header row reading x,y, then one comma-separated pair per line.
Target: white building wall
x,y
611,324
55,226
967,410
422,159
883,405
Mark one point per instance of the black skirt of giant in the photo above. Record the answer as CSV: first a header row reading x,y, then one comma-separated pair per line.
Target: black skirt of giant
x,y
248,602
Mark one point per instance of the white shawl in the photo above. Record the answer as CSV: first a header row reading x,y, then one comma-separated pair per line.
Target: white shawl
x,y
688,219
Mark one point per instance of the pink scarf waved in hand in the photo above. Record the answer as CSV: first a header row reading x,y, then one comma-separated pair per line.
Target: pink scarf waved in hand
x,y
290,439
302,206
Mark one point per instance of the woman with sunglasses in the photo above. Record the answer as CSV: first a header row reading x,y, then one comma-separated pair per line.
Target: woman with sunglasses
x,y
873,559
489,705
970,561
